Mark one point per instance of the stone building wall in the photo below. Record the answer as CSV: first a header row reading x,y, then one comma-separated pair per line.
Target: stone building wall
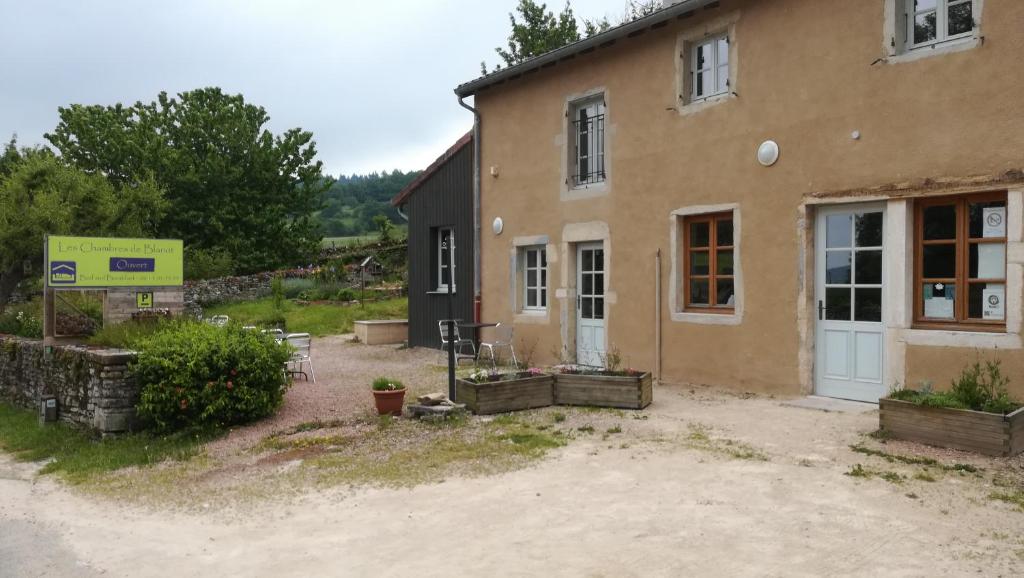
x,y
93,387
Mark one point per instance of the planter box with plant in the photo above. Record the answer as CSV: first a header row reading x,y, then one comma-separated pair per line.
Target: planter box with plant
x,y
976,414
388,395
486,392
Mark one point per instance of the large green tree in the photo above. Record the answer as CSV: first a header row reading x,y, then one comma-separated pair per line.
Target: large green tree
x,y
40,194
232,184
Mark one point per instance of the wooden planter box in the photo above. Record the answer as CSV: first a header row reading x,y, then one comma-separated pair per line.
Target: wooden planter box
x,y
974,431
503,396
625,392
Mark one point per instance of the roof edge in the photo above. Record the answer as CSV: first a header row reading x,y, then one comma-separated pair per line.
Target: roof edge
x,y
428,172
587,44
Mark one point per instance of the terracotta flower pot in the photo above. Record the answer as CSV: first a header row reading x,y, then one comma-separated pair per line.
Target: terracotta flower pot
x,y
389,402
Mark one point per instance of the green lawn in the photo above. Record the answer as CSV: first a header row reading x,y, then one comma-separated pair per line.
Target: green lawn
x,y
317,319
76,456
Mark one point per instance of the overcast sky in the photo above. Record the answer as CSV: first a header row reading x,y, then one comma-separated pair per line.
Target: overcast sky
x,y
373,81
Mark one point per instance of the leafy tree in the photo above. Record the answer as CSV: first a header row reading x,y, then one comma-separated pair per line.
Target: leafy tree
x,y
385,226
232,184
40,194
353,200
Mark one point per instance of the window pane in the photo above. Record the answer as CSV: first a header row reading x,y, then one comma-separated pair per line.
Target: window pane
x,y
837,304
920,5
700,263
939,262
869,268
987,220
724,293
588,285
543,258
599,260
988,261
924,27
699,234
543,277
960,19
987,301
699,292
723,265
723,79
837,267
723,51
588,308
531,298
867,305
940,222
598,284
838,231
543,297
531,278
588,261
444,276
724,232
702,56
703,83
869,230
531,259
598,308
939,300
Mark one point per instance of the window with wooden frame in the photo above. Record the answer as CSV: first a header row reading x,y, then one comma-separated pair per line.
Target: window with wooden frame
x,y
708,281
960,262
535,278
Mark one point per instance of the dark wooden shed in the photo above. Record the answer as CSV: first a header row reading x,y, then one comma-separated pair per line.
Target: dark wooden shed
x,y
439,203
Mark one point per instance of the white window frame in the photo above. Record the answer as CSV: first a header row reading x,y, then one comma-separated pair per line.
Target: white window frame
x,y
540,289
713,65
594,106
942,36
441,286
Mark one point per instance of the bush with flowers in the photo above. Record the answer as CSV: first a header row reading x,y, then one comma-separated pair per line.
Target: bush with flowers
x,y
194,374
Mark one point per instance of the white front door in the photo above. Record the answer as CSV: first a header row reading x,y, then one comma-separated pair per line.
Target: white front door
x,y
850,344
590,304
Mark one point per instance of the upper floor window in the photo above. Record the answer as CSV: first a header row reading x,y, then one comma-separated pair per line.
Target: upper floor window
x,y
709,68
960,261
931,22
588,129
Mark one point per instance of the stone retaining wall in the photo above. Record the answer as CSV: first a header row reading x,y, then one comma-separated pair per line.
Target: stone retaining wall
x,y
93,387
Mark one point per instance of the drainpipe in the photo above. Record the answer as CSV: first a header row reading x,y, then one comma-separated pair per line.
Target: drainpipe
x,y
657,316
398,209
476,208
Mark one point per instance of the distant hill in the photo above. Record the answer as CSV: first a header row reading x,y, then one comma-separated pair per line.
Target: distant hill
x,y
353,201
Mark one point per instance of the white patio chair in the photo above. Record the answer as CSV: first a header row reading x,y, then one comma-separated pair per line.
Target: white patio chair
x,y
249,327
301,357
458,341
220,320
502,338
277,334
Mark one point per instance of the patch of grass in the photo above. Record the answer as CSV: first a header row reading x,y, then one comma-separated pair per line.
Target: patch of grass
x,y
78,457
914,460
587,429
615,430
859,471
280,443
700,438
317,319
558,416
924,476
1014,498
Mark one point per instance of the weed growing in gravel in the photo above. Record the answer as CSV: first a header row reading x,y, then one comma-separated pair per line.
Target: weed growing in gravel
x,y
859,471
914,460
587,429
615,430
924,476
558,416
1014,497
699,438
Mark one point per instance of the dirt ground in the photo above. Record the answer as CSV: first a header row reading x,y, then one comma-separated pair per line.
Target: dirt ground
x,y
703,483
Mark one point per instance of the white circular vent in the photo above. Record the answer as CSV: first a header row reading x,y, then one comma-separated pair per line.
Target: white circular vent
x,y
768,153
497,225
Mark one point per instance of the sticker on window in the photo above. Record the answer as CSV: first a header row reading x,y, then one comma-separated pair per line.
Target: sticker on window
x,y
995,222
992,300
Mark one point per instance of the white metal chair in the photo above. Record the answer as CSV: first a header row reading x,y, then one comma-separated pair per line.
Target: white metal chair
x,y
457,340
220,320
277,334
301,357
249,327
502,338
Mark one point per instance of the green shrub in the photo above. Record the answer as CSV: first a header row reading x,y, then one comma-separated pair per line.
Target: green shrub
x,y
295,287
129,334
208,263
195,374
345,294
23,320
979,388
387,384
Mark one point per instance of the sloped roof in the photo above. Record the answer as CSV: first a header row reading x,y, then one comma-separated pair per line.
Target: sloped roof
x,y
680,9
411,188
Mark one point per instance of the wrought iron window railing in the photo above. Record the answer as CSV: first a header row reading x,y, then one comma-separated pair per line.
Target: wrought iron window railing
x,y
589,161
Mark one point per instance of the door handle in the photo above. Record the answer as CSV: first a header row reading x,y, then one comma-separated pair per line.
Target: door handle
x,y
821,309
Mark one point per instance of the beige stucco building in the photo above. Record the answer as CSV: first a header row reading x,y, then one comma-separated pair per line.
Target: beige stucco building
x,y
790,196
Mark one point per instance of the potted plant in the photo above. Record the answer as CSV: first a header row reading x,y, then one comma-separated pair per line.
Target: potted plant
x,y
388,394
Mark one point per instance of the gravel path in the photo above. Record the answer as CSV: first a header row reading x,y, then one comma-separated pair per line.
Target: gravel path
x,y
344,371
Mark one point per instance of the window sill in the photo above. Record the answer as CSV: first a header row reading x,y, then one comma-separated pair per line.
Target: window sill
x,y
695,106
948,47
580,192
535,316
973,338
728,317
441,291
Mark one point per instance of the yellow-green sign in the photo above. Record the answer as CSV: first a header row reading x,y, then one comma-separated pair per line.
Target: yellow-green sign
x,y
105,262
144,300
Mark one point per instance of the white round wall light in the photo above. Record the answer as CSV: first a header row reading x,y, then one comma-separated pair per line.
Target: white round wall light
x,y
497,225
768,153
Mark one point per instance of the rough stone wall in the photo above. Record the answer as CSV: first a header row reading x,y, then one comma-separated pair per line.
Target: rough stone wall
x,y
93,387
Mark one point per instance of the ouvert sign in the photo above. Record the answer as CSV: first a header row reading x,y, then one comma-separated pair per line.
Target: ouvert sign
x,y
91,262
